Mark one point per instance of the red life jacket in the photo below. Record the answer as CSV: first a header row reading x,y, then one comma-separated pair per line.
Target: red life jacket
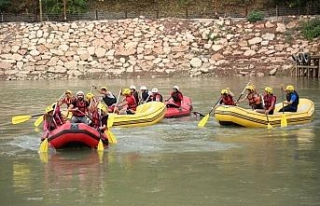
x,y
82,106
95,118
177,97
227,100
131,102
254,99
157,97
268,101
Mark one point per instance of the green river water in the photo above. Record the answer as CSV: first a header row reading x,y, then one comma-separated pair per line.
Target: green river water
x,y
173,163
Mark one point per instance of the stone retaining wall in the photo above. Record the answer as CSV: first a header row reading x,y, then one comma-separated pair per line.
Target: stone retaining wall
x,y
102,49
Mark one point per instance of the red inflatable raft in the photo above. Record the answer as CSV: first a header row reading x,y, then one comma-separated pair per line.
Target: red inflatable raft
x,y
71,135
184,110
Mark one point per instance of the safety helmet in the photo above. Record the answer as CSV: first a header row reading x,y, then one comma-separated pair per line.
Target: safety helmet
x,y
224,91
154,90
126,91
102,107
290,88
176,87
269,90
49,109
80,93
250,87
103,88
143,88
67,92
89,95
133,87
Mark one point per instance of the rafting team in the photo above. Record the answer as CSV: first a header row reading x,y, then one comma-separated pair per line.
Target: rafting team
x,y
263,103
93,109
89,109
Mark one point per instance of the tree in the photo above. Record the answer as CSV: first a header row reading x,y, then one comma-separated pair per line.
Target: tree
x,y
4,4
57,6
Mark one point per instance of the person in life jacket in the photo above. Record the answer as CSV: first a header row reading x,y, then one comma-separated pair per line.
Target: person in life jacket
x,y
269,101
176,97
254,99
108,98
292,100
103,122
79,109
93,110
134,93
67,99
156,96
52,120
145,97
226,97
128,104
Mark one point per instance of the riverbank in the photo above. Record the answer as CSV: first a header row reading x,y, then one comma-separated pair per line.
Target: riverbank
x,y
140,47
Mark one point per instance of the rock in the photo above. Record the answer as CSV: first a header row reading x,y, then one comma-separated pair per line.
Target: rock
x,y
269,24
196,62
281,28
273,72
100,52
216,47
268,36
34,52
249,53
5,65
255,40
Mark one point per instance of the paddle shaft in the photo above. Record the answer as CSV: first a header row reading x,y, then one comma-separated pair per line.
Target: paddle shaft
x,y
242,92
114,110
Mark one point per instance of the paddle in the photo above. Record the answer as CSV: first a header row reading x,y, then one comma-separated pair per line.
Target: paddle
x,y
40,119
44,146
242,93
269,125
112,139
118,99
283,116
23,118
205,119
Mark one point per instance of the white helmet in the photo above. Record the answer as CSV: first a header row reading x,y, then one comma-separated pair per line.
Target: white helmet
x,y
133,87
143,88
80,93
154,90
176,87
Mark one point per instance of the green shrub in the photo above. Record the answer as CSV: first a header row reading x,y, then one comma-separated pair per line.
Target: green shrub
x,y
311,29
255,16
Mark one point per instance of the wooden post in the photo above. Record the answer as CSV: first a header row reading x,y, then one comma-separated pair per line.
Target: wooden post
x,y
40,10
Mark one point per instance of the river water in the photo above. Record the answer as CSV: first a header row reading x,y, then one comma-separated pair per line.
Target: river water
x,y
170,163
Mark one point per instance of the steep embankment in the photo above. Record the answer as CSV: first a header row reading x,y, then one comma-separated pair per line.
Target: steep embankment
x,y
102,49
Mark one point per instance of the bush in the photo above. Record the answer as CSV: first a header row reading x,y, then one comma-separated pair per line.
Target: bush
x,y
311,29
255,16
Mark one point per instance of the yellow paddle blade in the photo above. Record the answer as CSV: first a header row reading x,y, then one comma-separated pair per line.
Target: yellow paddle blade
x,y
269,126
38,121
44,146
204,120
111,138
44,157
100,146
100,154
110,121
20,119
283,120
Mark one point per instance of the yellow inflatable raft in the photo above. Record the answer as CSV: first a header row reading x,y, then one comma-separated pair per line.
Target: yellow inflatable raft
x,y
235,115
146,114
